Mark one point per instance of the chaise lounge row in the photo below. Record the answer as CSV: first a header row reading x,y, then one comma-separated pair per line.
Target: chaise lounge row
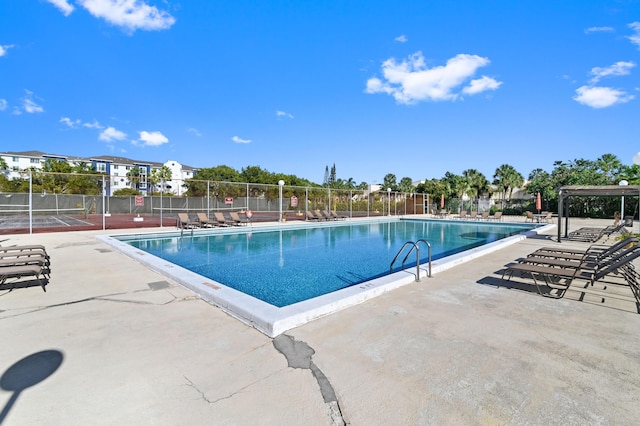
x,y
324,215
203,221
473,215
25,261
559,268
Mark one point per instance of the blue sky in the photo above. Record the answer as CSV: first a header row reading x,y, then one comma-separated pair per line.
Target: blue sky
x,y
412,88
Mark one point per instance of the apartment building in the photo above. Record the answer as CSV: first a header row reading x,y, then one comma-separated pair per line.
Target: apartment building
x,y
116,168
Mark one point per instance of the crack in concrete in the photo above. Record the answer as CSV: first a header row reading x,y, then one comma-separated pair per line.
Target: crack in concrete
x,y
299,355
231,395
193,385
105,298
77,244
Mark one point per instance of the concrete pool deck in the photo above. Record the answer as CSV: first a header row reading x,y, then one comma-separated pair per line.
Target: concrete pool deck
x,y
112,342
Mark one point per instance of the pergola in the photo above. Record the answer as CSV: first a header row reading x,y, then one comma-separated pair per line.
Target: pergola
x,y
566,192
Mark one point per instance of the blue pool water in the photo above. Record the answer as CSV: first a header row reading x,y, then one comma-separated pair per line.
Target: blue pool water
x,y
286,266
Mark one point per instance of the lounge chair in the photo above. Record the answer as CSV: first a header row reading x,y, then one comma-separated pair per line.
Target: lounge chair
x,y
235,217
496,216
552,276
220,220
593,251
530,217
589,261
484,216
337,216
24,250
462,215
592,234
184,222
473,215
17,272
23,247
327,215
312,216
203,221
586,234
34,259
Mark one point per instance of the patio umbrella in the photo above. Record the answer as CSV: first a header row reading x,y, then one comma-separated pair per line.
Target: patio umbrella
x,y
442,202
538,202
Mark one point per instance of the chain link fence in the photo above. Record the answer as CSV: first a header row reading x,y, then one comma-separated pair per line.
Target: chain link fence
x,y
46,200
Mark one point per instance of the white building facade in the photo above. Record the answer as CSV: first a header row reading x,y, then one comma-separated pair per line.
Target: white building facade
x,y
117,169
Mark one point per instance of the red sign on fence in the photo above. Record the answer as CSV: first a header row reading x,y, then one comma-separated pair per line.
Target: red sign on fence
x,y
294,201
139,200
228,200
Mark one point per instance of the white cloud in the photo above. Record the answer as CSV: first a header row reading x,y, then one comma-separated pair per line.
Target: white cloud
x,y
71,123
111,134
481,85
635,38
152,138
74,124
619,68
411,81
601,97
4,49
284,114
194,131
401,39
236,139
130,14
29,105
63,5
94,125
598,30
3,104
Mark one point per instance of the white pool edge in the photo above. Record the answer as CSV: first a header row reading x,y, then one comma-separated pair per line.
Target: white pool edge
x,y
274,321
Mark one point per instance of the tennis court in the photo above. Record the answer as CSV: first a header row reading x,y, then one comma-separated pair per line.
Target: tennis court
x,y
40,221
19,224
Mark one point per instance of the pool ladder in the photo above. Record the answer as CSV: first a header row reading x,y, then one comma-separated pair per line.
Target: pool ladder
x,y
413,247
182,231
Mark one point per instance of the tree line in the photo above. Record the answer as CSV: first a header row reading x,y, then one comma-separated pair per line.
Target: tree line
x,y
605,170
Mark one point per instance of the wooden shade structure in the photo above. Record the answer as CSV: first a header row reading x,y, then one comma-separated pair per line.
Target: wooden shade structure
x,y
566,192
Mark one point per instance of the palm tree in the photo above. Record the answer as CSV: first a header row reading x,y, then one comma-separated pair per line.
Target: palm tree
x,y
350,183
507,178
162,174
406,185
134,176
478,183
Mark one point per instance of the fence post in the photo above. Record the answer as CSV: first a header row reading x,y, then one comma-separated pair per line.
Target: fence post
x,y
30,201
103,216
161,203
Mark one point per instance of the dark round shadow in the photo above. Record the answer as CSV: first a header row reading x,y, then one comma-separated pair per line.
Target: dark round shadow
x,y
31,370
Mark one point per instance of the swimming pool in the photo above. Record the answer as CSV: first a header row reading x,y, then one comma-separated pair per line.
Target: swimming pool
x,y
267,274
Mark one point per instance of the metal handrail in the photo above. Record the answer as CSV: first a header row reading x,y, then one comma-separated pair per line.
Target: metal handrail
x,y
428,254
414,246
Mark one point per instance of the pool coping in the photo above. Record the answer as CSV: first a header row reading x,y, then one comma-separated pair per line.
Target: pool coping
x,y
274,321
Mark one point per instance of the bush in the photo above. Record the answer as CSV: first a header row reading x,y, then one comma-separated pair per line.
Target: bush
x,y
126,192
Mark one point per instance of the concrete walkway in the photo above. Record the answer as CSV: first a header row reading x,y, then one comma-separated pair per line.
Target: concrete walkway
x,y
111,342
